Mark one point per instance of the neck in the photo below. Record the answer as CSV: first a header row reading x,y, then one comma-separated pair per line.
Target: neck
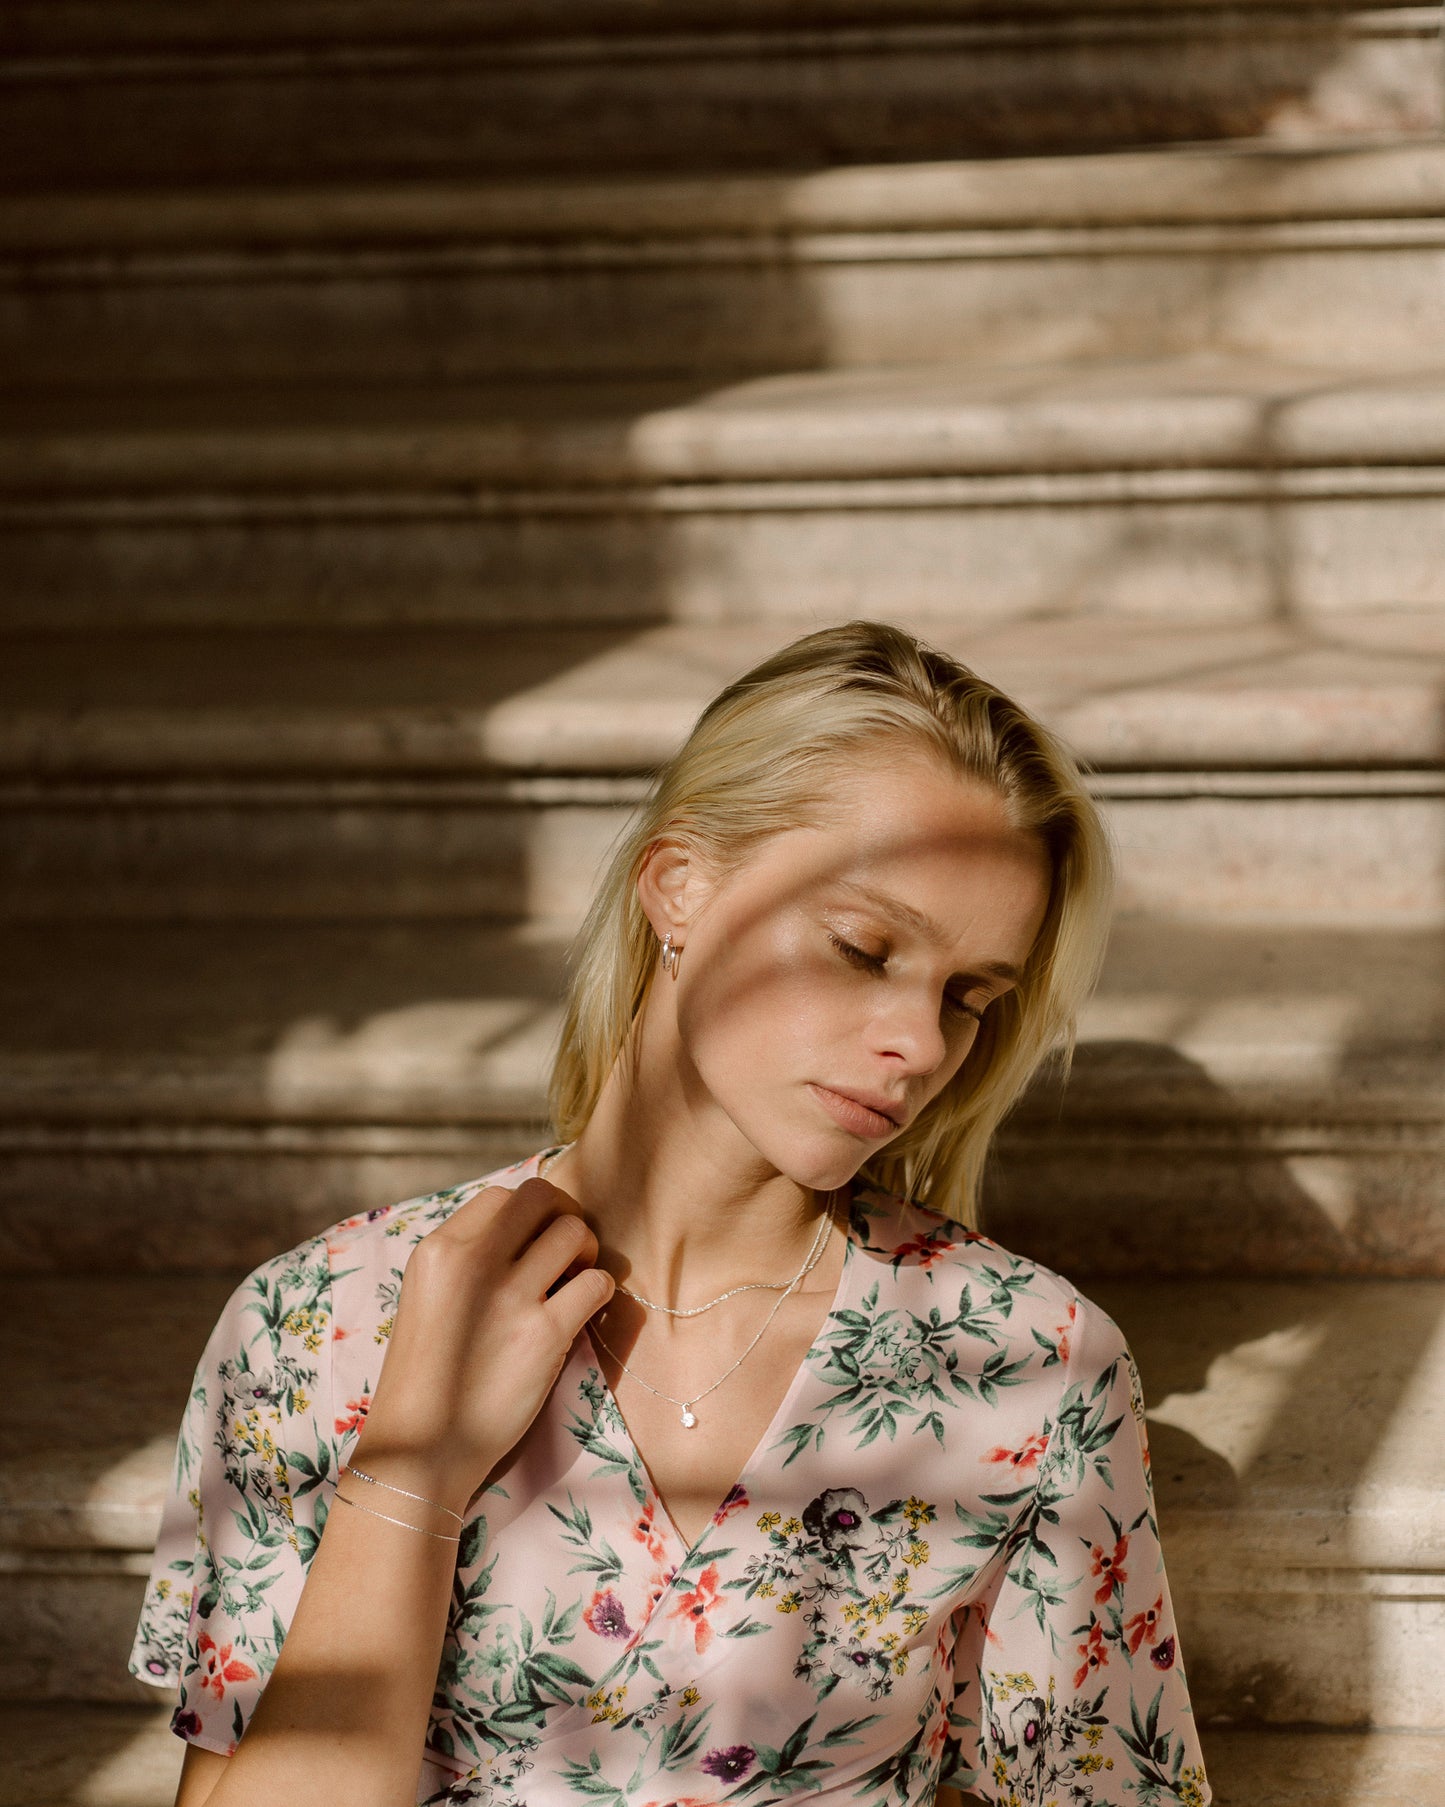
x,y
682,1205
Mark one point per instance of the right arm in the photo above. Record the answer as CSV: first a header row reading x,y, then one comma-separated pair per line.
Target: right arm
x,y
475,1348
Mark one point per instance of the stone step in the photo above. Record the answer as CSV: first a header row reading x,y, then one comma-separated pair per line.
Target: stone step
x,y
200,1096
486,772
1297,1436
1221,488
1347,692
105,94
1307,255
123,1756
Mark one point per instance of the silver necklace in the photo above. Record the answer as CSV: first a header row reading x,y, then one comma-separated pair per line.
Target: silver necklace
x,y
689,1417
696,1311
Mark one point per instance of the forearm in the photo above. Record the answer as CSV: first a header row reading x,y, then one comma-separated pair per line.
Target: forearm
x,y
343,1717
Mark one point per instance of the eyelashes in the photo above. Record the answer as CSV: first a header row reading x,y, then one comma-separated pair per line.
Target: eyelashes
x,y
876,963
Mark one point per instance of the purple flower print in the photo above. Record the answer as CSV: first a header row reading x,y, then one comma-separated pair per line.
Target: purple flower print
x,y
730,1764
1162,1655
607,1617
185,1723
1027,1723
837,1518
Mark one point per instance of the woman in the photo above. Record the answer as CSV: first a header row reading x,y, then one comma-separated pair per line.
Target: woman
x,y
713,1458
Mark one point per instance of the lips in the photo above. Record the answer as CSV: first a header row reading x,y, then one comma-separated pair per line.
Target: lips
x,y
865,1113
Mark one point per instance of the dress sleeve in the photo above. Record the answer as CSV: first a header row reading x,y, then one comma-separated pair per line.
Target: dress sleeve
x,y
1068,1683
245,1506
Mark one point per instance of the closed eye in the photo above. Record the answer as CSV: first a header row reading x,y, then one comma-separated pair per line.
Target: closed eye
x,y
876,963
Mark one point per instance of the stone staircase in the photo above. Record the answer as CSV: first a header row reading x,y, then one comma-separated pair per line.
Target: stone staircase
x,y
414,416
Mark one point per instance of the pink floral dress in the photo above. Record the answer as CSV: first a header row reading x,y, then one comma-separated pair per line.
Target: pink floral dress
x,y
940,1563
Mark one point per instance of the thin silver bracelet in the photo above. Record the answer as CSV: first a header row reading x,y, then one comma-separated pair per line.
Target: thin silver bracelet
x,y
396,1521
361,1475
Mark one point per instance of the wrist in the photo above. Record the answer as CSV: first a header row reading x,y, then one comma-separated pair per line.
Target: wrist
x,y
420,1472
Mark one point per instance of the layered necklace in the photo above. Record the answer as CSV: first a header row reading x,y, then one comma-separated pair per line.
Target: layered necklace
x,y
784,1289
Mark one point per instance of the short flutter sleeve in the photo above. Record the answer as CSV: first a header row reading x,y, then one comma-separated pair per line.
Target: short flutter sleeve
x,y
244,1509
1068,1683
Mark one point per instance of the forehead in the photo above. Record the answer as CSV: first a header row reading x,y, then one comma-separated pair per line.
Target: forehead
x,y
938,853
895,801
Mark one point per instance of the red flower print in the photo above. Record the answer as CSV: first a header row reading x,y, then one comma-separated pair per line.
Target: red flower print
x,y
1026,1456
1143,1628
644,1529
1108,1568
355,1417
698,1603
1093,1652
737,1498
218,1666
928,1249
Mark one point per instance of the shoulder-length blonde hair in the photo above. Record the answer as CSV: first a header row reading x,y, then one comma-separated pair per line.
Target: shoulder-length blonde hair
x,y
751,768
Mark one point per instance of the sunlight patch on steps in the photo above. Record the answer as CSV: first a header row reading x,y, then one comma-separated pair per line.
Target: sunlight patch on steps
x,y
1236,1412
1260,1039
475,1056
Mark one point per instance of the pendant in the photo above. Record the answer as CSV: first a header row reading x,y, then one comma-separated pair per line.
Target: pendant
x,y
689,1418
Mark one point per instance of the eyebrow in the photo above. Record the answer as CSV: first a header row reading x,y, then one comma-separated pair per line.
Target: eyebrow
x,y
922,924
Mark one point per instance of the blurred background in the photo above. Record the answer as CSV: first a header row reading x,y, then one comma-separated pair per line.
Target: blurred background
x,y
414,412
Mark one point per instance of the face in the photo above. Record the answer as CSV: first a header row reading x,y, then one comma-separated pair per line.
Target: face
x,y
834,984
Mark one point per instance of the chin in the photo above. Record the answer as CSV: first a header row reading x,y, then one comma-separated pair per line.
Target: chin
x,y
822,1160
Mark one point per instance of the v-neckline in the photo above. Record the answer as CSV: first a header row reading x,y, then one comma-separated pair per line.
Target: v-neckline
x,y
584,1349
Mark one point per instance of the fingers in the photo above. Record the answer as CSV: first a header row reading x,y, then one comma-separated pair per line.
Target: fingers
x,y
579,1299
564,1243
509,1216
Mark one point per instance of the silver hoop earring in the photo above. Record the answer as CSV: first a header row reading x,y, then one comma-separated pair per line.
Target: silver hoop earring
x,y
670,954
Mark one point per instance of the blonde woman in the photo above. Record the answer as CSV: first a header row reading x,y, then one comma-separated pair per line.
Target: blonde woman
x,y
706,1454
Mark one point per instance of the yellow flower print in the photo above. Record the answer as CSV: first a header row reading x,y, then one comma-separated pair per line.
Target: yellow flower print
x,y
900,1663
303,1404
918,1512
914,1620
607,1707
306,1324
1191,1784
769,1520
1000,1772
383,1329
792,1527
766,1588
852,1611
917,1552
690,1696
1092,1734
790,1603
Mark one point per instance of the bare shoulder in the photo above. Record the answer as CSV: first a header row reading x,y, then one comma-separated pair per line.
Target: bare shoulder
x,y
200,1773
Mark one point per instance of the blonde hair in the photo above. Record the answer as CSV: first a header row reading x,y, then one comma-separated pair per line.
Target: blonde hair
x,y
750,769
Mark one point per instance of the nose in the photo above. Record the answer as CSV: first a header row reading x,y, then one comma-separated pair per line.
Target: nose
x,y
910,1030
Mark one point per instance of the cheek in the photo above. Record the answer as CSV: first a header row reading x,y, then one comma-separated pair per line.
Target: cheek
x,y
760,1001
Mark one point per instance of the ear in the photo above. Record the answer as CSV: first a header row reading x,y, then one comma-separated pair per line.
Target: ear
x,y
670,887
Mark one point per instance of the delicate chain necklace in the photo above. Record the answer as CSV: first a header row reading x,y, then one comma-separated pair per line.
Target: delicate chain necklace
x,y
696,1311
689,1417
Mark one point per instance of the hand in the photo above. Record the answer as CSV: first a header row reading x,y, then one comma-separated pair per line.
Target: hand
x,y
477,1343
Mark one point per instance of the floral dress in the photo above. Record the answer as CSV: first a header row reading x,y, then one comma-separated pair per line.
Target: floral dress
x,y
940,1563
